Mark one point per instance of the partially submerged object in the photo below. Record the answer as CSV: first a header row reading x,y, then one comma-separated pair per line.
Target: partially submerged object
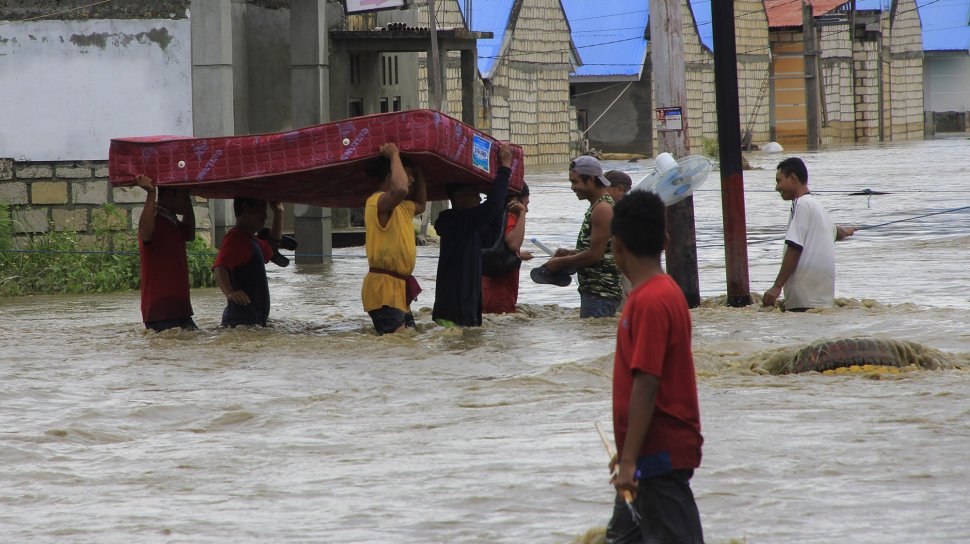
x,y
824,355
324,165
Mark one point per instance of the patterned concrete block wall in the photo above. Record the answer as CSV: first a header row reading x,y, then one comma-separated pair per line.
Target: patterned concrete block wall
x,y
906,54
536,69
837,85
70,196
754,102
866,60
751,37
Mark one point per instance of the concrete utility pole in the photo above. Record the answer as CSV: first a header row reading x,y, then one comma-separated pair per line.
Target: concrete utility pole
x,y
667,58
435,64
811,77
212,89
310,82
729,144
438,100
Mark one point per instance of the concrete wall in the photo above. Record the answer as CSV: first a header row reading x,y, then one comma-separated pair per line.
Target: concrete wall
x,y
628,125
49,196
69,86
838,90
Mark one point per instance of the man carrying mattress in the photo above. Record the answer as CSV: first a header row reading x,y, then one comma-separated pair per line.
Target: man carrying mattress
x,y
458,295
389,288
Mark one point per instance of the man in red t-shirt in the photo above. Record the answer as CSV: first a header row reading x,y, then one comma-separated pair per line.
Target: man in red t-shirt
x,y
164,271
656,418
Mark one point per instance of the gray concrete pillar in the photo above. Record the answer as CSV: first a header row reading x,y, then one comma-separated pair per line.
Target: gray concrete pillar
x,y
471,98
310,81
212,88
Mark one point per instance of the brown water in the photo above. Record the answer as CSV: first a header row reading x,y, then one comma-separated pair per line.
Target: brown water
x,y
319,431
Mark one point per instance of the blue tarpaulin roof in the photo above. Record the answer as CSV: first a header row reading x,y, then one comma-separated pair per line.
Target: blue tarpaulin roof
x,y
489,16
946,24
702,17
871,5
609,36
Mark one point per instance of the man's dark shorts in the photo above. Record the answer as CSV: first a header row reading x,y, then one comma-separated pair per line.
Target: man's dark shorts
x,y
387,320
667,510
185,323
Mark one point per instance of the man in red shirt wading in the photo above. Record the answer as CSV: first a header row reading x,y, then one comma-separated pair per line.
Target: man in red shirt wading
x,y
656,419
162,237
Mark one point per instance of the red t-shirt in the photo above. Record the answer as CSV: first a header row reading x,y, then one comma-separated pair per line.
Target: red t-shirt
x,y
653,336
165,273
236,249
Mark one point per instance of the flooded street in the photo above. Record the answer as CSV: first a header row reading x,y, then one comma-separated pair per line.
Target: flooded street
x,y
317,430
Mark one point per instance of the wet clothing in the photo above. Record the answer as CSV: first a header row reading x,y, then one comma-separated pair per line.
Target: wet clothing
x,y
387,320
812,284
165,272
602,278
593,306
184,323
390,248
245,257
654,336
668,513
500,293
458,294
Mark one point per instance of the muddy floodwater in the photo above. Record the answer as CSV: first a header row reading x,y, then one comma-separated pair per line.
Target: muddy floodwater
x,y
317,430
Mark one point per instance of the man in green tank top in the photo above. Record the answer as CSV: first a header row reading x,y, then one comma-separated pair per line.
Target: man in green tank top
x,y
600,288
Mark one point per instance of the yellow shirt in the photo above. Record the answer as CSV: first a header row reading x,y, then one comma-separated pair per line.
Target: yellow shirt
x,y
390,247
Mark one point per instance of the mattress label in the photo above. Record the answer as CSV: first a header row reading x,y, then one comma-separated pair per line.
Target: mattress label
x,y
481,151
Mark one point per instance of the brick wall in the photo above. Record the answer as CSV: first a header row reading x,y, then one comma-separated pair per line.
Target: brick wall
x,y
70,196
906,61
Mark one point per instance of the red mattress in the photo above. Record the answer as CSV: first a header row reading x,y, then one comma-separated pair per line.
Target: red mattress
x,y
323,165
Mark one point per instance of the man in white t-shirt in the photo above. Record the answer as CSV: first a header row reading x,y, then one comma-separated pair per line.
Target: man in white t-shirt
x,y
808,267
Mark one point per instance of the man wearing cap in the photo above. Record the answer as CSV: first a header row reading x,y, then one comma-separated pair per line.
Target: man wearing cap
x,y
600,292
620,184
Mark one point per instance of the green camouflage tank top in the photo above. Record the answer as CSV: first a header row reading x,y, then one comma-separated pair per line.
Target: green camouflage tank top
x,y
603,277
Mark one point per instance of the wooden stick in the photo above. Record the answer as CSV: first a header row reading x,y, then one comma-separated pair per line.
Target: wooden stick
x,y
627,496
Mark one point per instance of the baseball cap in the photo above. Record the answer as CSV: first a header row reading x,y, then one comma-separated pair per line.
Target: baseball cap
x,y
589,166
619,178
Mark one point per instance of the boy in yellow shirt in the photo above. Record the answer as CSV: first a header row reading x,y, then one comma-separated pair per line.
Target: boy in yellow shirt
x,y
389,288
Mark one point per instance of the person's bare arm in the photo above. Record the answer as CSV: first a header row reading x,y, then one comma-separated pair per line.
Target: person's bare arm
x,y
642,399
599,237
399,185
276,232
516,236
788,265
225,285
146,224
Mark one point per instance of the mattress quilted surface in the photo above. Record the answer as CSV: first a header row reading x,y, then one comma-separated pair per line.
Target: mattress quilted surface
x,y
324,165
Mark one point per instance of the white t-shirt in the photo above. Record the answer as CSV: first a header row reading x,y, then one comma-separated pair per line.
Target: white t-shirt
x,y
812,285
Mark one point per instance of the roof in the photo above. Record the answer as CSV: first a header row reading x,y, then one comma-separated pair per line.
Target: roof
x,y
946,24
703,19
609,36
785,13
489,16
